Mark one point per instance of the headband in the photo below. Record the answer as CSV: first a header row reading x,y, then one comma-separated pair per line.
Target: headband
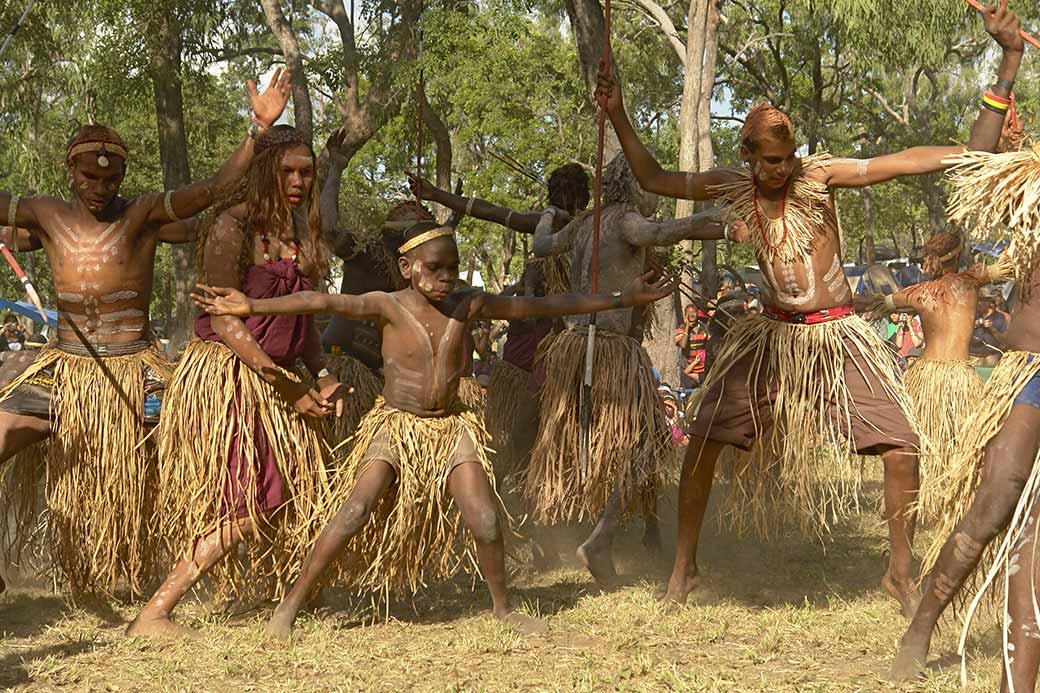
x,y
102,148
424,237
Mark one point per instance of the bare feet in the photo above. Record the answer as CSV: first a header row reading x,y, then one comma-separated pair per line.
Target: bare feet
x,y
162,627
905,592
911,658
525,624
281,623
599,562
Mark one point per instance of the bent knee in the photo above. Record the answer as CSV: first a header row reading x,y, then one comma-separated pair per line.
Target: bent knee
x,y
486,526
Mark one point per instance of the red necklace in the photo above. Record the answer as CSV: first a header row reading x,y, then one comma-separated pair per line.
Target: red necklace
x,y
758,217
266,243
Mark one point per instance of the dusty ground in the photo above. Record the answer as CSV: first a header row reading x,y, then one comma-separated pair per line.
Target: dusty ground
x,y
792,616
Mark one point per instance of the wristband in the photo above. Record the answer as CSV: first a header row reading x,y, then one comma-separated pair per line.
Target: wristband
x,y
12,214
323,372
618,303
994,109
1002,100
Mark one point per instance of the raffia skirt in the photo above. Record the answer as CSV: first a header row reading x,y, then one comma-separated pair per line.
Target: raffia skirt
x,y
100,477
414,535
629,438
232,450
800,401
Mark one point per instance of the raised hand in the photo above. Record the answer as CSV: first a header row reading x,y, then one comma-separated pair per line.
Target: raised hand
x,y
608,89
268,107
1004,26
648,288
421,187
222,301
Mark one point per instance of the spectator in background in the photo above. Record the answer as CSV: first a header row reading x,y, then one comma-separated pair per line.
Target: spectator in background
x,y
13,332
908,336
692,339
987,340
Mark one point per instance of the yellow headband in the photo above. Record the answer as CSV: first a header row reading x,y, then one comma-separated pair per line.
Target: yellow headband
x,y
424,237
103,147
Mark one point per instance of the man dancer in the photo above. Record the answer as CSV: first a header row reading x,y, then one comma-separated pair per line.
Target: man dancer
x,y
87,393
812,374
629,439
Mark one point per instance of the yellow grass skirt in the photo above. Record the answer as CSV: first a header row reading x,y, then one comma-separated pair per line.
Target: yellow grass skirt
x,y
955,486
413,535
210,394
802,470
506,394
944,395
629,440
367,386
101,476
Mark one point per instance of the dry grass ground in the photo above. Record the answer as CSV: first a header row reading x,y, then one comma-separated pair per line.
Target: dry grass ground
x,y
789,616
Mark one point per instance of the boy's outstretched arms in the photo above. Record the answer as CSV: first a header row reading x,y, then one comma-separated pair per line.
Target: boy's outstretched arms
x,y
644,289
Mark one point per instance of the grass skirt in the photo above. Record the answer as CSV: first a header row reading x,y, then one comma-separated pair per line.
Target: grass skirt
x,y
211,392
1011,374
506,394
956,485
367,386
802,470
100,474
629,440
944,395
414,536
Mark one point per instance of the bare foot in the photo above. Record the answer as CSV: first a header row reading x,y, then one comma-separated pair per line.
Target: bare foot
x,y
281,623
525,624
911,658
599,562
161,627
905,592
677,595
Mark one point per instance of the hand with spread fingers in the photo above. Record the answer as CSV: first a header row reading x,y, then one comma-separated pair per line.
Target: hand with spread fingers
x,y
268,107
223,301
1004,26
648,288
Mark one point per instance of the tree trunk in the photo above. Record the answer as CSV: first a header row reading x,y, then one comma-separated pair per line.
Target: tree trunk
x,y
173,153
442,141
588,26
868,224
695,148
303,117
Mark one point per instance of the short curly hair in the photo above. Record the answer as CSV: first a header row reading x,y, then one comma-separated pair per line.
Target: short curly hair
x,y
619,182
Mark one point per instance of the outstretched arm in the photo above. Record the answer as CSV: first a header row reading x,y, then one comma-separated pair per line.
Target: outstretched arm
x,y
227,301
643,289
1003,26
652,178
860,173
524,222
26,213
703,226
192,199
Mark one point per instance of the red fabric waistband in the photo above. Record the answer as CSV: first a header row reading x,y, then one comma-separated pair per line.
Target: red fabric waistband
x,y
814,318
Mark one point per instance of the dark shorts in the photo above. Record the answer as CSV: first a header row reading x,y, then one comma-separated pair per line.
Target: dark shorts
x,y
731,413
1030,394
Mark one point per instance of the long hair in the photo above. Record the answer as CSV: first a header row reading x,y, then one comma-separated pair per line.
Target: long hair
x,y
267,207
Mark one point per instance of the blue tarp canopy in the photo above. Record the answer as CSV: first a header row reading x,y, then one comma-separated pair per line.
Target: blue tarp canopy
x,y
994,249
29,310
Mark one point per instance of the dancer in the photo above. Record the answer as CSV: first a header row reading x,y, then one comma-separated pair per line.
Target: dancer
x,y
629,438
419,448
942,385
810,354
995,478
240,445
85,395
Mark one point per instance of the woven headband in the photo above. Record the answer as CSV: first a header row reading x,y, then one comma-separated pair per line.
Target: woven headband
x,y
424,237
103,147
